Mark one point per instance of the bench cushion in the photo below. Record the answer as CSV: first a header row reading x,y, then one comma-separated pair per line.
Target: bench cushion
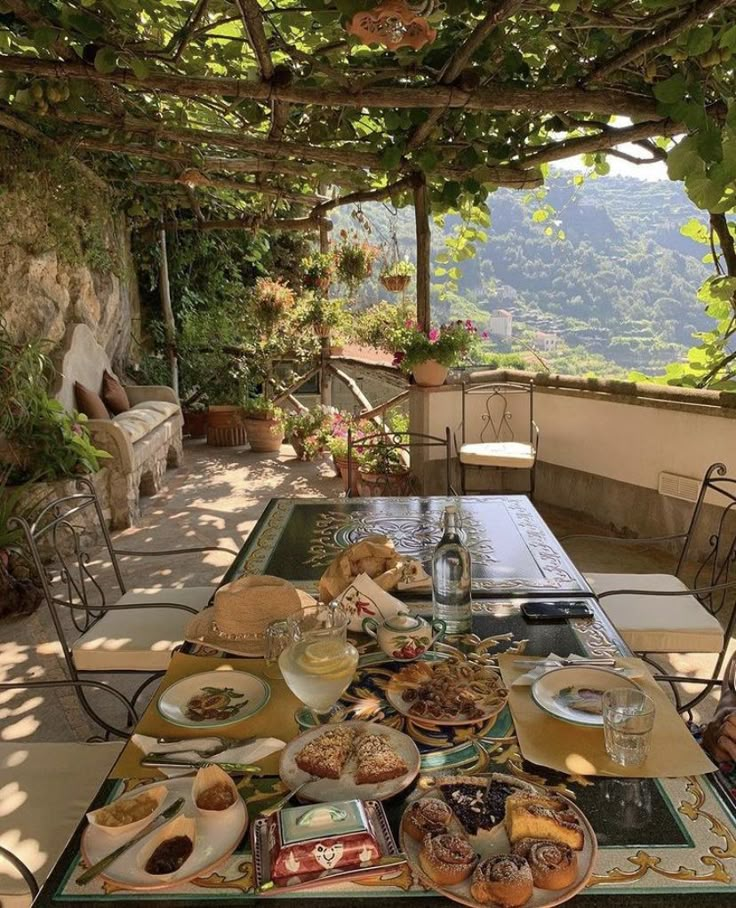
x,y
509,454
144,417
45,789
658,624
139,639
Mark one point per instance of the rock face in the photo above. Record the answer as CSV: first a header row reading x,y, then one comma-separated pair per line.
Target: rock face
x,y
40,295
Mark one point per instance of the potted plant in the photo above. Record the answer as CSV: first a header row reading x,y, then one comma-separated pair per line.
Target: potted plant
x,y
308,431
225,390
323,314
196,417
317,271
428,356
272,299
354,260
264,424
383,470
397,276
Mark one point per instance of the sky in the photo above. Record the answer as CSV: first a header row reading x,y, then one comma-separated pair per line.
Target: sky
x,y
620,168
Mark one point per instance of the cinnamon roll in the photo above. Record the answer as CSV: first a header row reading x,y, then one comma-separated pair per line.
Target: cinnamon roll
x,y
447,859
553,865
504,880
429,816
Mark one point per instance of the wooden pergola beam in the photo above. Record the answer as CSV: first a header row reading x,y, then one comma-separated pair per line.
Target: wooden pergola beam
x,y
492,96
249,222
185,179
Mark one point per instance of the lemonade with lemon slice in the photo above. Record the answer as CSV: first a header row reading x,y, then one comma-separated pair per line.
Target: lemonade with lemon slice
x,y
319,667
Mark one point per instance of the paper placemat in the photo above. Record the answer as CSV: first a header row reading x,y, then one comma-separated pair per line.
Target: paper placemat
x,y
275,720
575,749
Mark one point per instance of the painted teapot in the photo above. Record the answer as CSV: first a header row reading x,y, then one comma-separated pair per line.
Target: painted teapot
x,y
404,637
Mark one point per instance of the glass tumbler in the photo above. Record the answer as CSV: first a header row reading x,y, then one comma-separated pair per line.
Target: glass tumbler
x,y
278,637
628,720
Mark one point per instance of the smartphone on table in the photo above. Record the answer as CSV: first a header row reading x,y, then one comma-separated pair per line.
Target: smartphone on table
x,y
556,610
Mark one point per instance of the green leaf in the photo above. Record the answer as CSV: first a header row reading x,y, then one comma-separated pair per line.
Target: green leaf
x,y
391,157
139,67
540,215
89,26
106,60
699,40
671,90
728,38
695,230
683,160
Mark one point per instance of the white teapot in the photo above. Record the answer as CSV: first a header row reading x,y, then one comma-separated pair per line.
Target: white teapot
x,y
404,637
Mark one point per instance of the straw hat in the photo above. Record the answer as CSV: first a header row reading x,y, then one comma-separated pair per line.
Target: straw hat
x,y
241,612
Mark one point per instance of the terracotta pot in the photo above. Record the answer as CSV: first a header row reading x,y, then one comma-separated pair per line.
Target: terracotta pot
x,y
341,468
297,444
337,351
264,435
195,423
392,485
225,426
318,283
395,283
430,374
321,330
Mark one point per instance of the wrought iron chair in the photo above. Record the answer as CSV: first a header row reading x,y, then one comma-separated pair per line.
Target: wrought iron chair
x,y
394,449
659,613
500,447
136,633
47,787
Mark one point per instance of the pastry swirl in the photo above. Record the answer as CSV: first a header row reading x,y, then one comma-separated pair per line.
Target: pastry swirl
x,y
553,864
429,816
503,879
447,859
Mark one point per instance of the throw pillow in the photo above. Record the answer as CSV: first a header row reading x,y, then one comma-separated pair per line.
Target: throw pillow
x,y
113,393
89,402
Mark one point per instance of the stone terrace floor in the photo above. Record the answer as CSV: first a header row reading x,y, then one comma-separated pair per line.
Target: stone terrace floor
x,y
215,498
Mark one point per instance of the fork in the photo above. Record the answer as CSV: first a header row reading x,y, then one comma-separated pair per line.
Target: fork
x,y
225,744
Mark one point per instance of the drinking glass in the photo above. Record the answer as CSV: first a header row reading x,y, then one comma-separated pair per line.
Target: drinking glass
x,y
628,720
318,664
278,637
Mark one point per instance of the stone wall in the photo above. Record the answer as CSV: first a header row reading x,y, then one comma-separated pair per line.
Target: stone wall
x,y
64,257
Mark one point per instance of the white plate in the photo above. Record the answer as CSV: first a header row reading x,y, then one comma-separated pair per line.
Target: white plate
x,y
395,696
253,694
497,843
345,788
216,839
557,693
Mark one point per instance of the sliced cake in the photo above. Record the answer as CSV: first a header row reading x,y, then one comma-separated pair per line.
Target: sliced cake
x,y
538,817
376,760
326,755
466,799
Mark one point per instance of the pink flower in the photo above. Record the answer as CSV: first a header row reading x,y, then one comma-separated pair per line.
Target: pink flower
x,y
76,428
485,335
434,335
408,323
399,357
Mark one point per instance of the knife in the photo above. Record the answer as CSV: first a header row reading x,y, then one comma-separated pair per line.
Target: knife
x,y
237,768
543,663
205,753
103,864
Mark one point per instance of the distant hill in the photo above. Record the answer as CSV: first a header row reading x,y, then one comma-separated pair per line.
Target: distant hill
x,y
621,284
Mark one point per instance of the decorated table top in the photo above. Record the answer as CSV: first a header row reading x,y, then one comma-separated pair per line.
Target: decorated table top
x,y
513,551
662,842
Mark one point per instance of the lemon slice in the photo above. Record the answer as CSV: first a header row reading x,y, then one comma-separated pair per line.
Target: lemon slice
x,y
325,657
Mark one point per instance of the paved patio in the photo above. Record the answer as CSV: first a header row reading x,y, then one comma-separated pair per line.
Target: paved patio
x,y
215,498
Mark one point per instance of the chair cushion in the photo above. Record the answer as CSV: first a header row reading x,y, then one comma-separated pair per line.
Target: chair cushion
x,y
658,624
113,393
89,402
139,639
143,418
44,791
513,454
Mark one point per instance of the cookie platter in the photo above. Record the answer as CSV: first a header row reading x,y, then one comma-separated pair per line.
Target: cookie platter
x,y
493,841
354,759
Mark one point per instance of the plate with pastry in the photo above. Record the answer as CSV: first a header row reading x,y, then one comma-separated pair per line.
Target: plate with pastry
x,y
351,760
494,840
575,694
447,692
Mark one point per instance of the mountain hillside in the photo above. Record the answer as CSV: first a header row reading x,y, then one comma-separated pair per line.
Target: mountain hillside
x,y
620,285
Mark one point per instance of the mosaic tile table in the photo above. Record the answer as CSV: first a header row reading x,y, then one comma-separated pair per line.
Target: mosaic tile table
x,y
662,843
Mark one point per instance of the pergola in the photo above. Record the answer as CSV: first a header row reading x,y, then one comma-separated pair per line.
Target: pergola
x,y
249,112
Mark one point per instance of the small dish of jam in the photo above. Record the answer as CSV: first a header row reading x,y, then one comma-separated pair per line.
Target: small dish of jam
x,y
219,796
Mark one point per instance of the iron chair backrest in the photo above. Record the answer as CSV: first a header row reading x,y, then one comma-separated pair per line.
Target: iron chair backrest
x,y
497,418
717,566
55,542
404,442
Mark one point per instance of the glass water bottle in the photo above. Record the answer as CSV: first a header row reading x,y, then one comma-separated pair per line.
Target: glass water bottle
x,y
451,580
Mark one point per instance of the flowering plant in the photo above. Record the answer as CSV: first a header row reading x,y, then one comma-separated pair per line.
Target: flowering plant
x,y
317,270
309,431
337,443
354,260
262,408
448,345
273,298
402,268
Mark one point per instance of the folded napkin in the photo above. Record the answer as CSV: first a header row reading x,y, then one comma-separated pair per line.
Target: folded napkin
x,y
531,676
192,748
364,598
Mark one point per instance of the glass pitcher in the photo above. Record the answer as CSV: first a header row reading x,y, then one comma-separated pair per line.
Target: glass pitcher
x,y
318,664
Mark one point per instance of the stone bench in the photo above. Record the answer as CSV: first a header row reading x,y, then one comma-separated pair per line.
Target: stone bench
x,y
142,441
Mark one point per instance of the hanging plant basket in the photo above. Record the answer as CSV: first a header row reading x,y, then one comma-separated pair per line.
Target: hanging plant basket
x,y
321,330
395,283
